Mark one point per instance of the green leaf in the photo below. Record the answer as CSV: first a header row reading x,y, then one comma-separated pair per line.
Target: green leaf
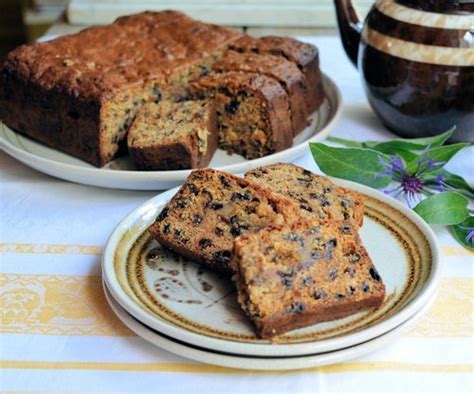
x,y
443,208
439,154
393,146
415,143
461,233
342,141
380,147
406,155
358,165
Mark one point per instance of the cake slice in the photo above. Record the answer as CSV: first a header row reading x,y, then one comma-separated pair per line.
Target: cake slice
x,y
304,55
210,210
278,68
173,136
252,110
316,195
294,276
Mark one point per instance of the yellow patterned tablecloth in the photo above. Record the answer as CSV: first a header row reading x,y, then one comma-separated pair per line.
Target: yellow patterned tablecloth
x,y
58,333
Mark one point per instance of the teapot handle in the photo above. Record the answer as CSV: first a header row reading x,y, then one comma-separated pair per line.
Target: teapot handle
x,y
350,28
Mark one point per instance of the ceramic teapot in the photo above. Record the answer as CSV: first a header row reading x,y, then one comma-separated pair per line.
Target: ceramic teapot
x,y
416,59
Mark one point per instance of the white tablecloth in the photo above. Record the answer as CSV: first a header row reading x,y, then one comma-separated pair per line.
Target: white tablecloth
x,y
58,334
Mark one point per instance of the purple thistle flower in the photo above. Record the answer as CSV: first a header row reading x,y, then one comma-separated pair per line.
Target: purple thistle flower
x,y
470,234
413,185
426,163
437,183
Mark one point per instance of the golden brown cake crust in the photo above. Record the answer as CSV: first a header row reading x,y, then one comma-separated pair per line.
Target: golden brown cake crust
x,y
296,275
210,210
95,62
299,52
281,324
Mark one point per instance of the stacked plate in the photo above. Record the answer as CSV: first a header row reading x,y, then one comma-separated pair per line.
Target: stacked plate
x,y
185,309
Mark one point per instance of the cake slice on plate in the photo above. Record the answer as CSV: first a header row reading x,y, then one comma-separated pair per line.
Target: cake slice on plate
x,y
293,276
316,195
210,210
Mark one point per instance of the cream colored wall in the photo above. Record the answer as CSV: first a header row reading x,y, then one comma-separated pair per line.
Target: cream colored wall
x,y
252,13
257,17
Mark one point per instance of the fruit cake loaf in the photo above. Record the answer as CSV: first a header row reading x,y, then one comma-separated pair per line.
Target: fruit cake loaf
x,y
211,209
252,112
293,276
173,136
79,93
316,195
304,55
277,67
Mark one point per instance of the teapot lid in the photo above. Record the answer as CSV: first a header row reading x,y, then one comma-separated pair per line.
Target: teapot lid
x,y
441,6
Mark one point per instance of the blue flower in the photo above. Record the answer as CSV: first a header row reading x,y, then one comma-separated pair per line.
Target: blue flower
x,y
417,183
470,234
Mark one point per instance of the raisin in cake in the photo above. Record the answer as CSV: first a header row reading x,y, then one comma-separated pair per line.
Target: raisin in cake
x,y
294,276
79,93
304,55
210,210
252,112
316,195
277,67
173,136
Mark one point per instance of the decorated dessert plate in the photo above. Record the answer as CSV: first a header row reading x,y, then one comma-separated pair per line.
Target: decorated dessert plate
x,y
120,173
191,304
230,360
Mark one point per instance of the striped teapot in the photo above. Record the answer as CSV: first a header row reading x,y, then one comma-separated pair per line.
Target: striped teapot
x,y
416,59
